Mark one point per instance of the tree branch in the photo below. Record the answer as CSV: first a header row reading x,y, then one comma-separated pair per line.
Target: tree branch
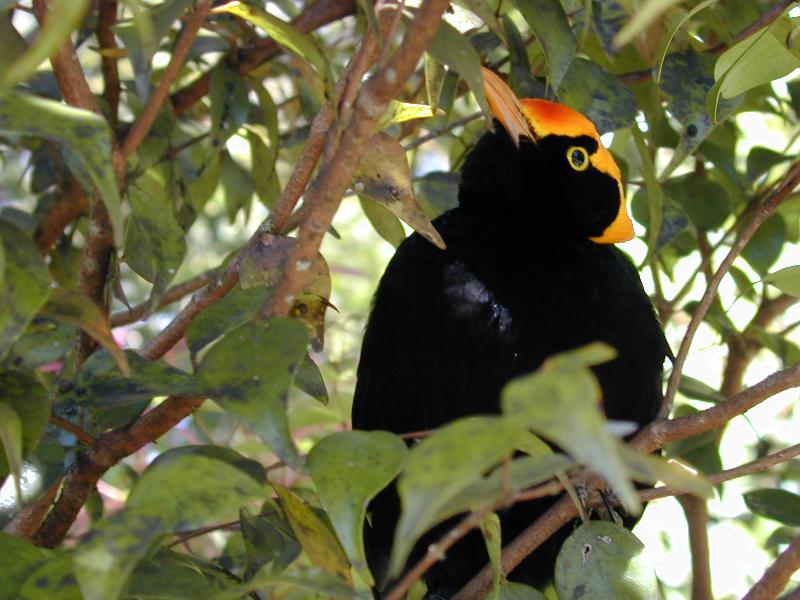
x,y
312,17
777,575
106,19
763,211
325,193
109,449
696,511
651,438
142,126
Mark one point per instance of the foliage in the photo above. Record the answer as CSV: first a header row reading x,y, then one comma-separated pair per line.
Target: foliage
x,y
143,143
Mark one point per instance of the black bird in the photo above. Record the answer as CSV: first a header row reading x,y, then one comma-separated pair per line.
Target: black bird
x,y
530,270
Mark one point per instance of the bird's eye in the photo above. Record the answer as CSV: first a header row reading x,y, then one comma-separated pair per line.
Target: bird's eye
x,y
578,158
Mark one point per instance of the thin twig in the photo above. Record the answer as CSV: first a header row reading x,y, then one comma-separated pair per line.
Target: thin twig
x,y
173,294
150,112
651,438
69,426
696,511
761,214
777,575
325,193
106,19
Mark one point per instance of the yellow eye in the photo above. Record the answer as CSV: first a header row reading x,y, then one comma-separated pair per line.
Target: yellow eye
x,y
578,158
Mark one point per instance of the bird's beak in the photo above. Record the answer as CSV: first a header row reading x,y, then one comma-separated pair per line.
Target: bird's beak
x,y
506,106
534,118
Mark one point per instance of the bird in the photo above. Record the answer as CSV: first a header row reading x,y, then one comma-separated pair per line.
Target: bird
x,y
530,269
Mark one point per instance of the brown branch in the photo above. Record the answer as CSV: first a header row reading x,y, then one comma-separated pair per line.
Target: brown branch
x,y
760,214
651,438
325,193
173,294
69,426
696,511
436,551
109,449
69,206
144,123
106,19
777,575
312,17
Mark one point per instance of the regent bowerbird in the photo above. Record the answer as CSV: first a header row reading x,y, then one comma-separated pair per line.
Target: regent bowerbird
x,y
530,269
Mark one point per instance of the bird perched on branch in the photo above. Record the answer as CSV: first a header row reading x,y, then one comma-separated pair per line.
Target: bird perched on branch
x,y
530,270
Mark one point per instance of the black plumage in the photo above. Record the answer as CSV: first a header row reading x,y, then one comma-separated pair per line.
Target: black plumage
x,y
520,280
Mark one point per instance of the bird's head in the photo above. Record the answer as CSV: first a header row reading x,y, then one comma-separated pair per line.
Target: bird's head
x,y
545,163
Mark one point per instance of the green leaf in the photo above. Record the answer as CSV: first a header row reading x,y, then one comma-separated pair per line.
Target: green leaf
x,y
142,36
317,539
437,192
183,488
52,579
383,222
28,403
523,472
63,17
21,559
779,505
705,201
757,59
441,466
309,379
314,586
248,373
549,22
434,79
760,160
236,308
786,280
686,79
605,101
26,284
268,539
674,30
644,16
11,440
604,561
156,243
349,469
171,576
237,187
70,306
454,50
698,390
100,385
301,44
229,104
560,402
490,528
652,469
82,132
519,591
766,245
384,176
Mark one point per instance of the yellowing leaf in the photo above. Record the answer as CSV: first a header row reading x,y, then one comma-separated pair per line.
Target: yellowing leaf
x,y
384,177
11,438
71,306
398,112
317,540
